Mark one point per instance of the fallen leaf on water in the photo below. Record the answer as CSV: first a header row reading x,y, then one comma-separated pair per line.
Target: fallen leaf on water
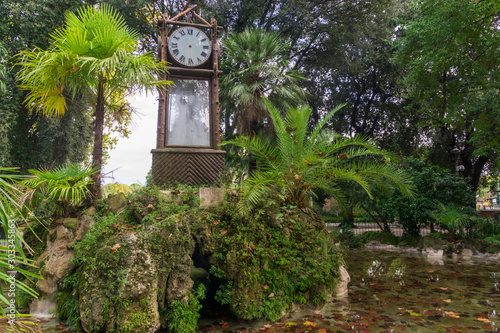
x,y
452,314
308,323
268,326
447,300
291,324
415,314
484,320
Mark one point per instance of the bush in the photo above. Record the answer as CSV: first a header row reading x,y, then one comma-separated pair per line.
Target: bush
x,y
484,227
433,185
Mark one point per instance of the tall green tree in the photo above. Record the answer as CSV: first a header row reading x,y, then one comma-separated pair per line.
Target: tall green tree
x,y
95,54
27,139
450,49
344,50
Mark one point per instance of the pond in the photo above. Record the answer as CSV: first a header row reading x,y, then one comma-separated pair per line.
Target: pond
x,y
394,292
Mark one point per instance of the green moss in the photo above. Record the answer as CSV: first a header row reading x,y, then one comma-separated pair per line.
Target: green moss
x,y
139,322
72,223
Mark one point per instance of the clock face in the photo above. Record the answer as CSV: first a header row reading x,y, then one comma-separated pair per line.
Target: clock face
x,y
189,46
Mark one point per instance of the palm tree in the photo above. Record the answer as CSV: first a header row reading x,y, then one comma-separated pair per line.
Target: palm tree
x,y
65,185
94,54
257,68
301,162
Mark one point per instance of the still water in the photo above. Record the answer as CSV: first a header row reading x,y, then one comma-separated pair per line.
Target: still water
x,y
394,292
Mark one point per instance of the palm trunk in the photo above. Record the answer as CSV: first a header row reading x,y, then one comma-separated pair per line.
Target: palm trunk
x,y
98,139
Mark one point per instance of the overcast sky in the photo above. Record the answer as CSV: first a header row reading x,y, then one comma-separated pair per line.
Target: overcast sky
x,y
131,159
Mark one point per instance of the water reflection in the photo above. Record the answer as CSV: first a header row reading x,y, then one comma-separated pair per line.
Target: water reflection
x,y
396,269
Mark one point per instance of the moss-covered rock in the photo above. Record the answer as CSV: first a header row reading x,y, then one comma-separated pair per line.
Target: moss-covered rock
x,y
135,264
273,258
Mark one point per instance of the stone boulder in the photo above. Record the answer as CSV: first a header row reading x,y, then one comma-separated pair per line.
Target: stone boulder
x,y
57,260
138,274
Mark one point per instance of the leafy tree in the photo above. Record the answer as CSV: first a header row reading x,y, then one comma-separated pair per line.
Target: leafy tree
x,y
433,185
344,50
94,54
301,162
450,49
255,67
28,139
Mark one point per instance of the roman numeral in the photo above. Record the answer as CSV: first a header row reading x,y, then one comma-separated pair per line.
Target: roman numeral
x,y
203,54
182,32
174,45
175,37
206,47
190,62
175,52
198,33
204,39
199,60
190,31
182,58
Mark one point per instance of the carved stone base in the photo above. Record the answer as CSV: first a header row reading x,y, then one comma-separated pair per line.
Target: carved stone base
x,y
189,166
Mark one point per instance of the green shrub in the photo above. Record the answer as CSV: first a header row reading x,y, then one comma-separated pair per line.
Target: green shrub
x,y
451,218
433,185
493,239
484,227
66,185
183,318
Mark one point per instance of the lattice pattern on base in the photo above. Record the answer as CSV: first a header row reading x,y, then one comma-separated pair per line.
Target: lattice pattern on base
x,y
189,167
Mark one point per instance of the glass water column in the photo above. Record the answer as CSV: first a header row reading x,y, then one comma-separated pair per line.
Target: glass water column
x,y
189,113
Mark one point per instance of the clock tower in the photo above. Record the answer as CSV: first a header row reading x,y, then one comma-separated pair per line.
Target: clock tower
x,y
188,135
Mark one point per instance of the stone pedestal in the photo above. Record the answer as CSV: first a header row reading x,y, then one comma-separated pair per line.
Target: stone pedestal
x,y
189,166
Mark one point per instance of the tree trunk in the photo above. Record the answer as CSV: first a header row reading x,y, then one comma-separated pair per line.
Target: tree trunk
x,y
98,139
